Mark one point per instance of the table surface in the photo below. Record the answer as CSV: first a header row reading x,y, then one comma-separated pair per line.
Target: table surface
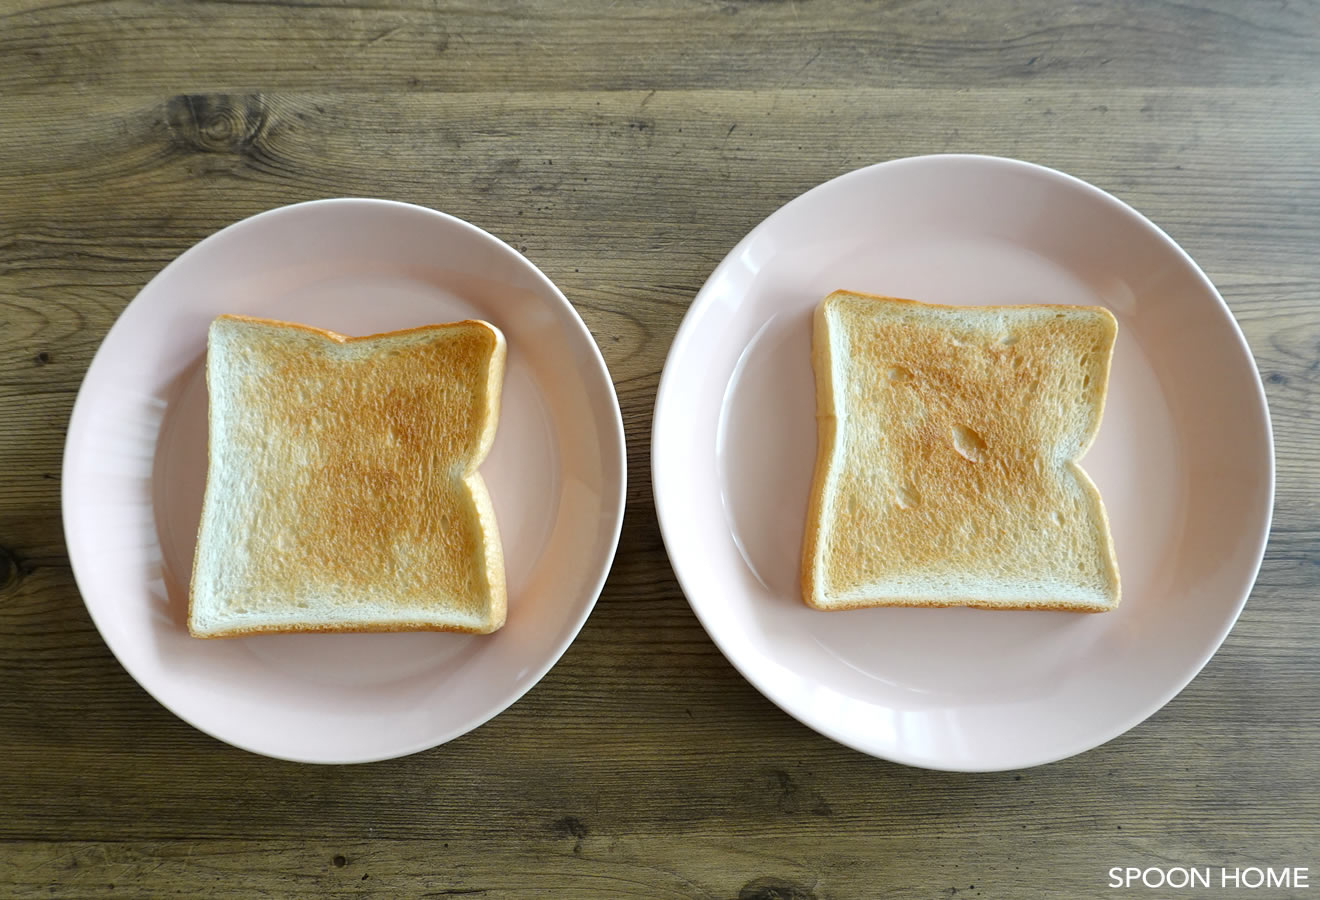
x,y
625,148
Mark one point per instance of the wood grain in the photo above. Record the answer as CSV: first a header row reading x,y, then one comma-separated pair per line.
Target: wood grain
x,y
398,45
566,857
625,148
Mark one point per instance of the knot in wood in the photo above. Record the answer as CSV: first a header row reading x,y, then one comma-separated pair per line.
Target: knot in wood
x,y
8,570
217,123
775,889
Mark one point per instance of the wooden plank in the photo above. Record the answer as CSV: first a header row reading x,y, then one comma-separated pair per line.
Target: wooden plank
x,y
678,172
570,857
398,45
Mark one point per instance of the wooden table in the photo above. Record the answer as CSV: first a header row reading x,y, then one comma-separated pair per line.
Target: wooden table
x,y
625,147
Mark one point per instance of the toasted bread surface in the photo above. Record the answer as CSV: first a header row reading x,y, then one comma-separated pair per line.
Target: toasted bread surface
x,y
947,465
342,491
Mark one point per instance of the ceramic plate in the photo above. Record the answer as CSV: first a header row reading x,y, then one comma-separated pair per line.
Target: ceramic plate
x,y
1184,460
135,469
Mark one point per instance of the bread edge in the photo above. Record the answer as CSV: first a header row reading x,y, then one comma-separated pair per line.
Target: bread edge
x,y
966,603
827,430
346,628
964,307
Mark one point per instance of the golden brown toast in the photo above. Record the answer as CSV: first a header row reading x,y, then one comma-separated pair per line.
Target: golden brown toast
x,y
946,470
343,492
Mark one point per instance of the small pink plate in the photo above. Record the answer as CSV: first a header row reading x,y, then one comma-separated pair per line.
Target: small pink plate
x,y
135,468
1184,461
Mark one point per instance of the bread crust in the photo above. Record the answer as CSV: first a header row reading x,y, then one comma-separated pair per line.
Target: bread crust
x,y
932,371
827,427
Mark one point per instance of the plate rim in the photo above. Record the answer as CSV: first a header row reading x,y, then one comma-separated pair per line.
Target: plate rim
x,y
615,441
705,296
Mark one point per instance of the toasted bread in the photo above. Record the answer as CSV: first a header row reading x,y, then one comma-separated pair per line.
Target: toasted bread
x,y
342,492
947,464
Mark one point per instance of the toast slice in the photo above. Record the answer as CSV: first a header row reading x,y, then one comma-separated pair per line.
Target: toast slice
x,y
343,492
946,469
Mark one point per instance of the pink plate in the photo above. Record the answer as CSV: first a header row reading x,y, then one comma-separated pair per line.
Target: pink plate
x,y
135,468
1184,460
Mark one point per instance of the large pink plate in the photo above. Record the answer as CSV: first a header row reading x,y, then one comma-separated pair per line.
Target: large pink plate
x,y
1184,460
135,468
